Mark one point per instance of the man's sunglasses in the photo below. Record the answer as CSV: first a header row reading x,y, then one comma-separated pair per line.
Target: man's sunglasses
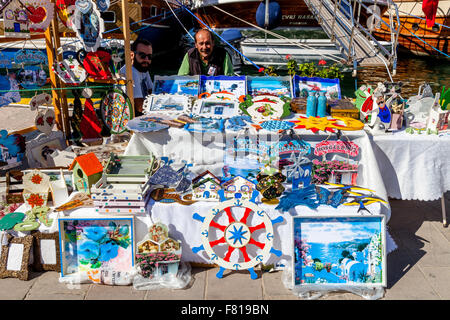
x,y
143,55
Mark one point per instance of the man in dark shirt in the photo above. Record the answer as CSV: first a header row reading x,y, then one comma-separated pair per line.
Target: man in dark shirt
x,y
205,58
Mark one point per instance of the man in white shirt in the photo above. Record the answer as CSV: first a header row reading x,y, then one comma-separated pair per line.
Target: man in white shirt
x,y
141,55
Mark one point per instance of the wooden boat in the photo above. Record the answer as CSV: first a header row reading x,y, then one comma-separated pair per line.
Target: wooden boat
x,y
412,20
294,13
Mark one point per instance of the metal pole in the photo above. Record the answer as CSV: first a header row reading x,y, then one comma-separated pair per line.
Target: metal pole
x,y
444,214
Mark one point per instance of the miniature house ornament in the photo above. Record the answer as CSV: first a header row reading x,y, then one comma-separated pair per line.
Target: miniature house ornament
x,y
87,170
157,254
237,234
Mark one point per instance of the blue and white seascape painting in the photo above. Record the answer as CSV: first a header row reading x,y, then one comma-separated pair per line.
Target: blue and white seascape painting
x,y
187,85
341,250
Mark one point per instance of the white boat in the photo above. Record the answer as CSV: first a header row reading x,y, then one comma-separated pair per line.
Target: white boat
x,y
276,51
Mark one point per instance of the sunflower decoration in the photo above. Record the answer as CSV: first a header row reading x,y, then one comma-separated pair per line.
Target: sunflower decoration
x,y
36,182
328,124
315,124
35,199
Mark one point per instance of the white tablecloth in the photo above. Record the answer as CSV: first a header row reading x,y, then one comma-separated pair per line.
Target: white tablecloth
x,y
413,167
206,152
183,227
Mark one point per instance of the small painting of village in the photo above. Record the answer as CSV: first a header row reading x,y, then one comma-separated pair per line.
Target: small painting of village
x,y
187,85
344,250
303,85
278,86
235,85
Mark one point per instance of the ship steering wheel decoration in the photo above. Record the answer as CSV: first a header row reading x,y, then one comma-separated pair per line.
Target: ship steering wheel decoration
x,y
237,234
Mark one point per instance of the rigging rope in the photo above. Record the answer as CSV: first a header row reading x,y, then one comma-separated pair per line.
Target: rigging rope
x,y
279,36
170,7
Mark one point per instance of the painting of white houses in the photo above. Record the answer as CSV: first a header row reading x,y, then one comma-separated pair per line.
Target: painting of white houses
x,y
339,250
238,187
205,187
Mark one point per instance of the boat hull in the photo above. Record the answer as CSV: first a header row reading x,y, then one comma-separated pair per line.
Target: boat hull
x,y
410,13
294,14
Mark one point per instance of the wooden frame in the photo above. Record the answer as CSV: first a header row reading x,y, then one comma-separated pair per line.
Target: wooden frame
x,y
346,269
23,273
37,251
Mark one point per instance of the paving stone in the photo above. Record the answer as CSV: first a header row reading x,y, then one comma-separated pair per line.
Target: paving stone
x,y
106,292
235,285
47,286
15,289
439,278
273,285
411,285
435,245
194,291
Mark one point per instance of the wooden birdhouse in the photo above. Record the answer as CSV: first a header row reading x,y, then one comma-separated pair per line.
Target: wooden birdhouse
x,y
86,171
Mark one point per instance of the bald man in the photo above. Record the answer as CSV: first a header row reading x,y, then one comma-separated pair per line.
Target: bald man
x,y
205,58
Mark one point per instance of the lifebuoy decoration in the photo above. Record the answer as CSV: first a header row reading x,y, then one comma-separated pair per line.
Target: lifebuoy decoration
x,y
237,234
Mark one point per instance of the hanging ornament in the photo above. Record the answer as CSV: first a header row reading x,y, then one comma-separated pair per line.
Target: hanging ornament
x,y
15,20
70,71
32,77
237,234
43,99
88,24
116,111
65,10
45,122
103,5
40,14
96,64
90,126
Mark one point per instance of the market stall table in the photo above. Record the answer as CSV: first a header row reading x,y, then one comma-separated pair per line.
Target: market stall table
x,y
414,167
206,152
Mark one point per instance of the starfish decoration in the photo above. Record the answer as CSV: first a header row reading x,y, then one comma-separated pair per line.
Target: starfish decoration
x,y
295,169
238,235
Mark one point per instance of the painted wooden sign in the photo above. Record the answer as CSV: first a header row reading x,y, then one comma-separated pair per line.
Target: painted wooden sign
x,y
348,147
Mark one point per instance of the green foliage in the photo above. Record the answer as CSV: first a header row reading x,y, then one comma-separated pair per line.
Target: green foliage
x,y
311,69
292,67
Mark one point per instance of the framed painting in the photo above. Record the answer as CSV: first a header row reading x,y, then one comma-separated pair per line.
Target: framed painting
x,y
186,85
235,85
339,251
216,108
206,125
46,251
95,245
302,85
15,256
278,86
38,150
173,104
